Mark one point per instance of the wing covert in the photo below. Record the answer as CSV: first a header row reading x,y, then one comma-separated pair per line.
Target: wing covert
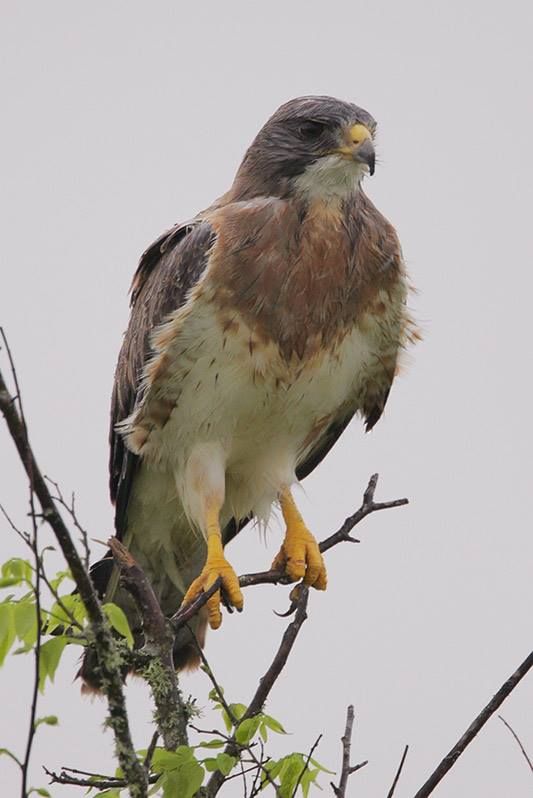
x,y
167,271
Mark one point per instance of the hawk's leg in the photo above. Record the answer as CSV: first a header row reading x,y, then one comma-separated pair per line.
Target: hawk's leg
x,y
215,566
299,554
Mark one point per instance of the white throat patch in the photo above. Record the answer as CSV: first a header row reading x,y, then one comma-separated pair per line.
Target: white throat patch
x,y
331,177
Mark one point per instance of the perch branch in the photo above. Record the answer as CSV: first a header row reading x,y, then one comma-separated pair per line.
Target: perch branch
x,y
342,535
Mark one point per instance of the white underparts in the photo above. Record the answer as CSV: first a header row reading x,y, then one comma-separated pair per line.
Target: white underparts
x,y
243,417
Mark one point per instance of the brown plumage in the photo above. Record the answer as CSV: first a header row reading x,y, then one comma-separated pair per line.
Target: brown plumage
x,y
257,331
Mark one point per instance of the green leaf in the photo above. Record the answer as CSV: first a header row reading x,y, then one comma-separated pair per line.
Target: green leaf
x,y
50,656
25,617
247,730
170,760
17,569
60,576
40,791
321,767
119,622
9,581
213,693
11,755
273,724
7,629
156,787
217,743
308,777
62,612
225,763
48,720
183,782
238,710
114,793
289,774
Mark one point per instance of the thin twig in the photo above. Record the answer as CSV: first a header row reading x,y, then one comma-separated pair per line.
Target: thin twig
x,y
477,724
37,648
266,683
398,772
306,764
207,669
367,507
71,510
33,542
518,741
104,783
150,752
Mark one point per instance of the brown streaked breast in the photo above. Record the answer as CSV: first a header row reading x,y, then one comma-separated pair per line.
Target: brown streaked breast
x,y
302,275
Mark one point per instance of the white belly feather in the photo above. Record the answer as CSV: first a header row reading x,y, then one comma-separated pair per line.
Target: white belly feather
x,y
242,417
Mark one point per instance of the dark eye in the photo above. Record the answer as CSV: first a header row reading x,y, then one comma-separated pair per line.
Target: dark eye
x,y
311,129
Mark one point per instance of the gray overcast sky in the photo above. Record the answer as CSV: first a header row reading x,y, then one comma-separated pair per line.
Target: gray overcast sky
x,y
121,118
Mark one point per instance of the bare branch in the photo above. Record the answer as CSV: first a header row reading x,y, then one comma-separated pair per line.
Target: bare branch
x,y
518,741
477,724
367,507
398,772
266,683
346,742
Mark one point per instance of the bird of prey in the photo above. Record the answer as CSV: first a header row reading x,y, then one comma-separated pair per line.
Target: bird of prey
x,y
258,329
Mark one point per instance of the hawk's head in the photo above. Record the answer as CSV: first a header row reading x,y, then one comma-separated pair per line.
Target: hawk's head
x,y
313,146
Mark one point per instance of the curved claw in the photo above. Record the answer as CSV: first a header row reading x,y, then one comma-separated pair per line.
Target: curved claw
x,y
301,558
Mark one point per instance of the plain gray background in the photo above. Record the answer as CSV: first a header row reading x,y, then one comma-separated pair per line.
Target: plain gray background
x,y
119,119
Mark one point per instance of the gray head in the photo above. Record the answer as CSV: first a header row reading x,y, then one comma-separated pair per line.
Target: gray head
x,y
313,146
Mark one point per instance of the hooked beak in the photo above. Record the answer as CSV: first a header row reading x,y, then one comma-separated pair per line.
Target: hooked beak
x,y
359,146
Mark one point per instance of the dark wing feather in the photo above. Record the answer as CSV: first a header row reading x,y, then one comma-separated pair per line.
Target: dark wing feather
x,y
167,271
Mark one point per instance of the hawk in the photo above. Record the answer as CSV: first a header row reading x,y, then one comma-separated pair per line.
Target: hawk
x,y
258,329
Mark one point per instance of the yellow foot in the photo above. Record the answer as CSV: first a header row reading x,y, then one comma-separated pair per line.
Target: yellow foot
x,y
299,554
216,566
